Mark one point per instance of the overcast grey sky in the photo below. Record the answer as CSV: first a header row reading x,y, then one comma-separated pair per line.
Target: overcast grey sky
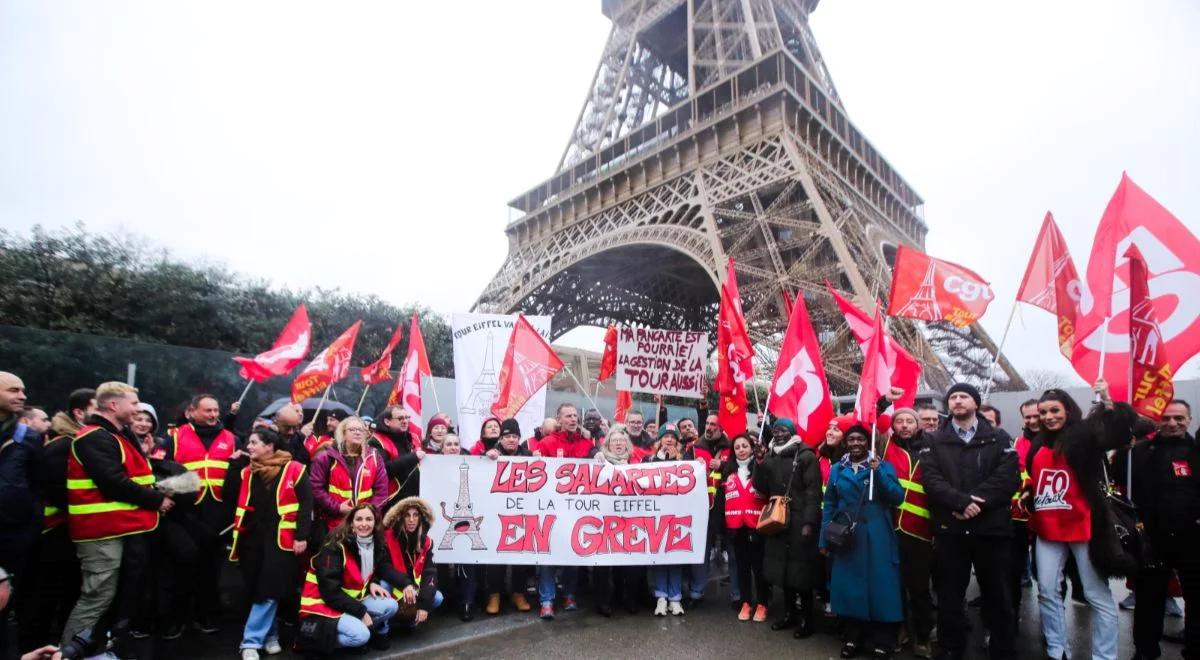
x,y
266,134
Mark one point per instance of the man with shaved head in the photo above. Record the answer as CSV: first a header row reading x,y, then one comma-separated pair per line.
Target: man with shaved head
x,y
18,515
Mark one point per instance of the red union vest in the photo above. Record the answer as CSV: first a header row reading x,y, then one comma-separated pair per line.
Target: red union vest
x,y
360,489
743,504
389,449
826,467
314,444
311,603
1061,512
211,464
1021,445
286,503
92,516
400,561
912,516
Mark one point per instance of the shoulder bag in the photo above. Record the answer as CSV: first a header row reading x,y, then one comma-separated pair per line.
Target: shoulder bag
x,y
775,514
839,531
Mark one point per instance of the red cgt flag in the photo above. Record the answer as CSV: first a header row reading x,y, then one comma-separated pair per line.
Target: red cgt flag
x,y
799,390
529,363
904,369
930,289
1172,257
608,363
380,370
289,350
875,380
330,366
624,404
1152,371
1052,283
407,389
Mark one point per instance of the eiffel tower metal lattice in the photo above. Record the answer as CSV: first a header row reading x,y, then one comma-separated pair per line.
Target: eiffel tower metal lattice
x,y
713,129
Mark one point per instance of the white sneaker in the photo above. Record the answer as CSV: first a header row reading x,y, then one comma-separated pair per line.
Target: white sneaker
x,y
676,608
272,647
249,654
661,608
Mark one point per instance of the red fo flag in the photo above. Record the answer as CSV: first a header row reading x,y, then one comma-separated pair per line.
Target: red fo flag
x,y
529,363
380,370
407,389
289,350
905,370
799,391
624,403
330,366
930,289
1052,283
1152,369
875,380
608,363
1172,257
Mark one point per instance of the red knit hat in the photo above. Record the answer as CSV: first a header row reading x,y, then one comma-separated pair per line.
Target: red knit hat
x,y
844,422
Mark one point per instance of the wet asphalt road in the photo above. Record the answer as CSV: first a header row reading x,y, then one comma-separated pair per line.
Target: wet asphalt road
x,y
711,631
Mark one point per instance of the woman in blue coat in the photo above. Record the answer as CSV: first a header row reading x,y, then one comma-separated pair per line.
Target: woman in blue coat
x,y
865,583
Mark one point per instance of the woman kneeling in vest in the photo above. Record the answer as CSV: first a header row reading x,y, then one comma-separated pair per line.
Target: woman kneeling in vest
x,y
343,586
270,525
406,531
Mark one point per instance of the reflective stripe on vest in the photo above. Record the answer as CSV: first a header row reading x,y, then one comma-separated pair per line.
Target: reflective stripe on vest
x,y
356,492
91,515
311,603
210,464
912,516
52,518
401,562
287,505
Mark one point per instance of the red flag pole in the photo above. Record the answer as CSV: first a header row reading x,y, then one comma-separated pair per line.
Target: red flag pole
x,y
245,392
366,388
580,386
320,405
1103,352
999,351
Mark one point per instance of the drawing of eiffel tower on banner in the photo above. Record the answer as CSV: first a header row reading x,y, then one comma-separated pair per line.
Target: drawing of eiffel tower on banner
x,y
924,304
463,522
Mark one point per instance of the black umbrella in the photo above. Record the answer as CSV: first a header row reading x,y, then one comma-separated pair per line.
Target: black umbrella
x,y
309,405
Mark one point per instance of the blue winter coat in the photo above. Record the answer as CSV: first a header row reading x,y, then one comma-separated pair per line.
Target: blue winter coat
x,y
865,581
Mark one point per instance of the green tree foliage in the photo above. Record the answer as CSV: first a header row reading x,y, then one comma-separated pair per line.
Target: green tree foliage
x,y
121,286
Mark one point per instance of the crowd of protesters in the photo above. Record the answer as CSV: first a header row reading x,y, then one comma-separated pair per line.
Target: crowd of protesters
x,y
116,526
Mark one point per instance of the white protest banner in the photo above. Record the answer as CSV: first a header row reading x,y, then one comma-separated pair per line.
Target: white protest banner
x,y
565,512
661,361
479,344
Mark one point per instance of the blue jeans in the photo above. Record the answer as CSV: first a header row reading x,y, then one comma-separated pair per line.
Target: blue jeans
x,y
697,578
352,632
261,625
668,582
735,583
546,589
1051,557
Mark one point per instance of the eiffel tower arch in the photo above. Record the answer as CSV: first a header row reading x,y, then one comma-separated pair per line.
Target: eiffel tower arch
x,y
711,130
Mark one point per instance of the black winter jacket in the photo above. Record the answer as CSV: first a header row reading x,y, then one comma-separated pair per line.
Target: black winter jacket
x,y
1084,444
330,567
952,471
1166,487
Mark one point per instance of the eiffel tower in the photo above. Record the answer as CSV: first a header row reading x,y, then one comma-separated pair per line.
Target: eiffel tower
x,y
924,304
712,129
